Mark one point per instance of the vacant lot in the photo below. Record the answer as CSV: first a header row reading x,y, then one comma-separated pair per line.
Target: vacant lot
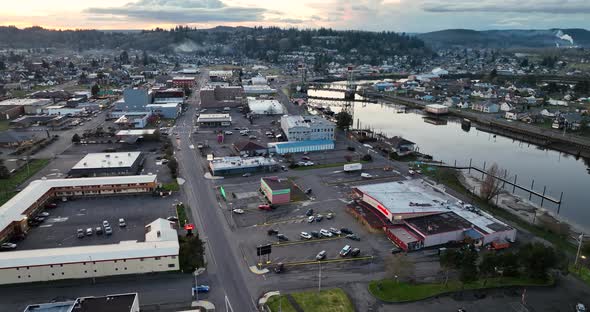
x,y
331,300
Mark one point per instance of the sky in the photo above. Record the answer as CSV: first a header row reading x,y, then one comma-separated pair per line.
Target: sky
x,y
376,15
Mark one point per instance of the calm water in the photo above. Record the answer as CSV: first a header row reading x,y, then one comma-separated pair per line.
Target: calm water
x,y
557,171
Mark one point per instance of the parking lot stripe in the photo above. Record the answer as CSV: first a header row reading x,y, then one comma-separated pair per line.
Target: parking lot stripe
x,y
337,260
319,240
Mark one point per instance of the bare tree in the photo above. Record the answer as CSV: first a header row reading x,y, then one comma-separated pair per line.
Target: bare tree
x,y
398,266
490,187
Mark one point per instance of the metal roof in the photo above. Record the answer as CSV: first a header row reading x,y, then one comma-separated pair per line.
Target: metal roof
x,y
14,209
107,160
239,162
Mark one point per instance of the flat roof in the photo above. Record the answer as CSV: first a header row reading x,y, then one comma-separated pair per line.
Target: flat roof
x,y
403,234
111,303
276,183
184,78
439,223
107,160
32,102
65,306
300,143
265,106
170,105
136,132
164,245
213,117
240,162
14,209
305,121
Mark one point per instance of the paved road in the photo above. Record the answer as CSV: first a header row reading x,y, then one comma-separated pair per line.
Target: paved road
x,y
225,270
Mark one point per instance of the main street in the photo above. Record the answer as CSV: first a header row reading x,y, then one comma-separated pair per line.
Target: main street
x,y
225,271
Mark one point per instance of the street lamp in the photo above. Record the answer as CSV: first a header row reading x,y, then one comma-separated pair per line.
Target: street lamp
x,y
580,239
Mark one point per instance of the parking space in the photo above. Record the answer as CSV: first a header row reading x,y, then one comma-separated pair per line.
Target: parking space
x,y
60,227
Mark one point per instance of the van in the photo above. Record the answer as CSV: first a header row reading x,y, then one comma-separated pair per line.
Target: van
x,y
345,251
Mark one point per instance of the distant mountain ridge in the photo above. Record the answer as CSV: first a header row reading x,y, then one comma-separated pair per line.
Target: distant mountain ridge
x,y
512,38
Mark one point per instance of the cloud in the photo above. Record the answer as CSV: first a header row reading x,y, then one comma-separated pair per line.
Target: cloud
x,y
509,6
182,11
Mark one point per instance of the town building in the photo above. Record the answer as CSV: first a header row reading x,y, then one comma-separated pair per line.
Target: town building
x,y
134,100
401,146
108,164
170,95
111,303
290,147
249,148
486,107
276,190
220,75
221,96
131,119
265,107
239,165
259,90
214,120
29,106
417,214
158,253
184,82
32,199
169,110
62,110
306,128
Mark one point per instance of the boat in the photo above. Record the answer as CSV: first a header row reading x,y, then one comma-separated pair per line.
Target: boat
x,y
466,122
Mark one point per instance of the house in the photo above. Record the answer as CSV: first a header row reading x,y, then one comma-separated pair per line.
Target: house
x,y
12,138
486,107
401,146
249,148
573,121
558,102
506,107
515,115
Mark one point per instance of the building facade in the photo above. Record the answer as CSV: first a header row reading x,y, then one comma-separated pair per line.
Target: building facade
x,y
305,128
276,190
108,164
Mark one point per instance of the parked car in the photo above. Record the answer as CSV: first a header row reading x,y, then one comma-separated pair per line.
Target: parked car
x,y
345,251
353,237
39,219
80,233
318,218
321,255
346,231
105,223
247,174
44,214
580,307
272,232
88,231
310,219
309,212
122,222
51,205
308,191
108,230
315,234
279,268
252,137
228,132
98,230
305,235
172,218
395,250
238,211
306,158
7,246
265,207
335,231
329,216
355,252
282,237
202,289
326,233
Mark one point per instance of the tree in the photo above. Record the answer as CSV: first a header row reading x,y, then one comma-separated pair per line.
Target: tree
x,y
468,265
367,157
95,90
343,120
449,259
145,58
490,187
524,63
124,57
2,65
76,138
4,173
190,256
536,259
398,266
173,166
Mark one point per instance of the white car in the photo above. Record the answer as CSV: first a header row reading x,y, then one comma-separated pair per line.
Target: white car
x,y
305,235
326,233
310,219
335,231
228,133
238,211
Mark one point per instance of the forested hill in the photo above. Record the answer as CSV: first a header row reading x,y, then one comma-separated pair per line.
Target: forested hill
x,y
252,42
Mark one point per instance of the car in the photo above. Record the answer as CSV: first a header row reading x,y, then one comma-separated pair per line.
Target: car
x,y
355,252
172,218
237,129
247,174
252,137
345,251
122,222
346,231
309,212
301,164
308,163
310,219
98,230
272,232
51,205
326,233
321,255
353,237
44,214
7,246
329,216
202,289
318,218
368,146
265,207
315,234
580,307
351,148
228,132
335,231
282,237
280,267
305,235
411,172
203,110
39,219
89,232
80,233
395,250
238,211
284,168
105,223
308,191
306,158
108,230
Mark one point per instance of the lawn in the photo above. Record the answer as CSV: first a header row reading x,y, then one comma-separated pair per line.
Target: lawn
x,y
172,186
330,300
581,272
8,186
4,125
181,214
392,291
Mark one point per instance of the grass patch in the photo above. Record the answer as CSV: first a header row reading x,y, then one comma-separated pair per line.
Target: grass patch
x,y
8,186
581,272
4,125
181,214
392,291
172,186
449,178
330,300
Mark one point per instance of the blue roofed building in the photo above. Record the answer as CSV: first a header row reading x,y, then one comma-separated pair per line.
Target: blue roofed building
x,y
301,146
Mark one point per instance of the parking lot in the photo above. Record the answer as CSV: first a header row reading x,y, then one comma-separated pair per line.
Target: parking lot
x,y
60,228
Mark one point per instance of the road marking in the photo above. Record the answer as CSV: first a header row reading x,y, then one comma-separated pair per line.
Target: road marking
x,y
309,241
328,261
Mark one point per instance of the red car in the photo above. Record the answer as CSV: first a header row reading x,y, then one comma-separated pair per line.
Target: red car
x,y
265,207
51,205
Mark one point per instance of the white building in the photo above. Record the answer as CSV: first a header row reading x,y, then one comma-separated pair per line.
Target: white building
x,y
62,110
265,107
112,303
305,128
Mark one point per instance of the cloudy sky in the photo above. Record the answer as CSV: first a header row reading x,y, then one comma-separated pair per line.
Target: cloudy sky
x,y
396,15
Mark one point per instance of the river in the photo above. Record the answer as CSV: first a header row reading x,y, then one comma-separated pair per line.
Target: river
x,y
448,142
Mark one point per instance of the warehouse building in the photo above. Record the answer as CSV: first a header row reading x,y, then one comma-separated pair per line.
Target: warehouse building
x,y
32,199
305,128
422,215
158,253
171,95
265,107
276,190
282,148
108,164
238,165
214,120
249,148
258,90
111,303
221,96
28,106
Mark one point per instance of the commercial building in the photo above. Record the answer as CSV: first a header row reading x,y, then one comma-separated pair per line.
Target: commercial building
x,y
238,165
257,90
15,212
301,146
247,147
221,96
62,110
111,303
184,82
422,215
265,107
166,110
158,253
30,106
9,112
108,164
133,100
220,75
131,119
276,190
171,95
305,128
214,120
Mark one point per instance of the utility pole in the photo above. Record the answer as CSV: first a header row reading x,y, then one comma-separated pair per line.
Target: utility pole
x,y
580,239
320,277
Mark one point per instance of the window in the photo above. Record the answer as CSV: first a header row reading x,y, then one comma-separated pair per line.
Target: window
x,y
29,276
125,268
62,273
171,265
19,276
85,271
52,274
157,258
116,269
173,257
94,271
141,259
17,269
